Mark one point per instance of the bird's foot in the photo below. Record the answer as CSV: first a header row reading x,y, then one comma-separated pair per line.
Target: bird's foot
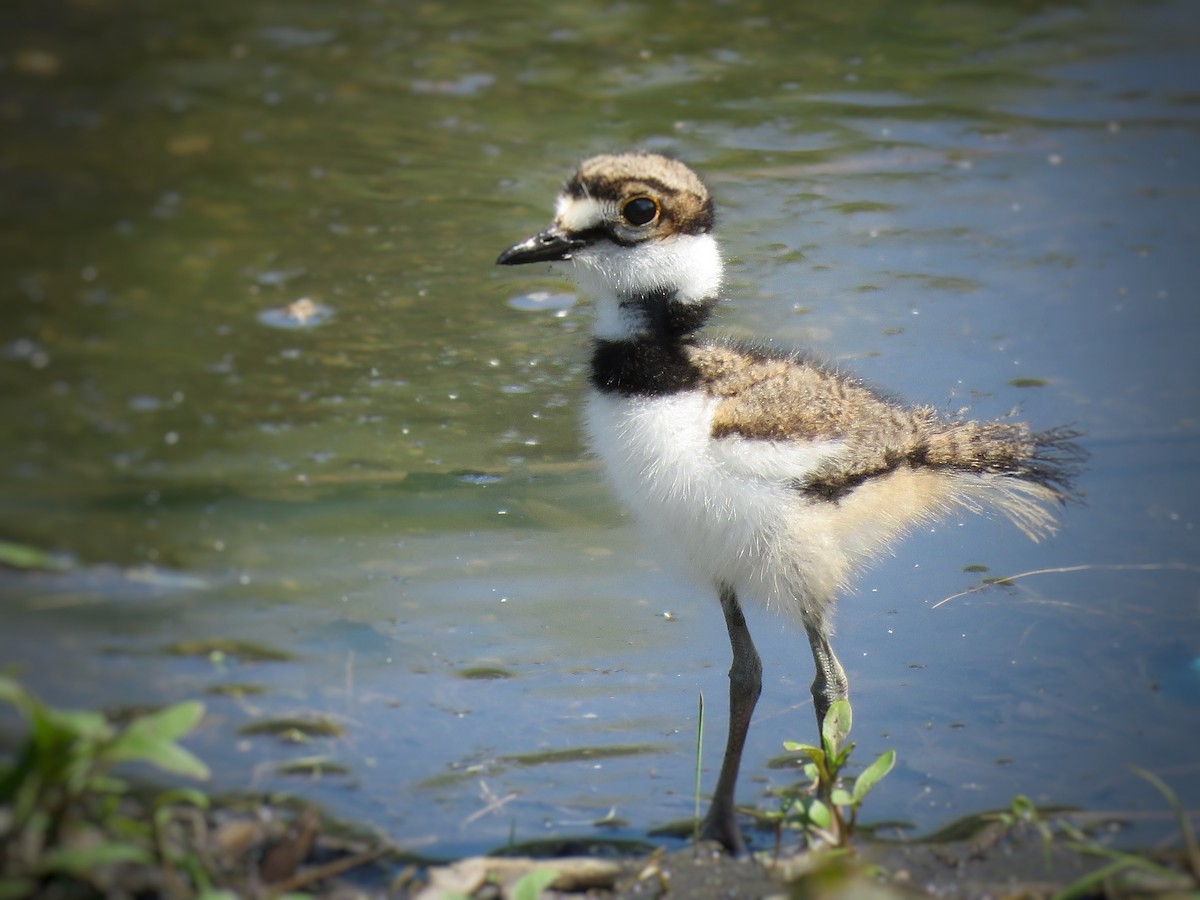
x,y
722,827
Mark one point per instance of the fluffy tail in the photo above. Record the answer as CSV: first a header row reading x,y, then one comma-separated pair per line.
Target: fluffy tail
x,y
1024,474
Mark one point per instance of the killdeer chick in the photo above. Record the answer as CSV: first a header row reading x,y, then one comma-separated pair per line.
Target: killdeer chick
x,y
767,474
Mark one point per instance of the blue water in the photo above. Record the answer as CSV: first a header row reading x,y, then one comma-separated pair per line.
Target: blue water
x,y
945,202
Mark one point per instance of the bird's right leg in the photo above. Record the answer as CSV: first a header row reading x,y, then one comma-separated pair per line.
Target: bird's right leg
x,y
745,684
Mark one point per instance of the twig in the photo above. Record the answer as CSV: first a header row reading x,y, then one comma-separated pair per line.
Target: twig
x,y
1060,570
493,803
330,869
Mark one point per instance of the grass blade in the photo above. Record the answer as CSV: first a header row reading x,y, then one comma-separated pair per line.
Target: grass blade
x,y
696,787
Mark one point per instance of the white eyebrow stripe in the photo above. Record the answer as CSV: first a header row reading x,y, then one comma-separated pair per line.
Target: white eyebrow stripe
x,y
574,215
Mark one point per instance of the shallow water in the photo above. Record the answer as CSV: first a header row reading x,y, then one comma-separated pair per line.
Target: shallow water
x,y
973,206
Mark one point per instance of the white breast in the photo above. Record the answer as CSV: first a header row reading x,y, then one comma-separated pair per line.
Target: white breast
x,y
724,509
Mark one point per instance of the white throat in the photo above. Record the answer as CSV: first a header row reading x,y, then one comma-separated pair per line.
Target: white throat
x,y
687,265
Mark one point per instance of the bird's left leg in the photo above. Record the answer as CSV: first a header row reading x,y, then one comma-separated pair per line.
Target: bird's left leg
x,y
830,683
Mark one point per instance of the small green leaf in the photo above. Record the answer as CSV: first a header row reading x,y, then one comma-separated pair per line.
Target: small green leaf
x,y
836,726
872,774
819,814
181,761
1023,808
795,747
533,883
815,754
171,722
82,860
840,797
151,739
78,723
23,556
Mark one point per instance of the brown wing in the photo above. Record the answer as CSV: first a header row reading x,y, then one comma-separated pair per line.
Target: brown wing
x,y
779,398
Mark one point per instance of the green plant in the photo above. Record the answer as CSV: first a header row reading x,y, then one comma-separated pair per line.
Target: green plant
x,y
696,774
1126,873
60,805
532,884
528,887
826,808
1155,876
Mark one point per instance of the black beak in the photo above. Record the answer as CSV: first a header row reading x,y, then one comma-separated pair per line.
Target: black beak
x,y
545,246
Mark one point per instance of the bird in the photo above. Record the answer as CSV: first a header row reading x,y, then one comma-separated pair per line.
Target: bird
x,y
768,474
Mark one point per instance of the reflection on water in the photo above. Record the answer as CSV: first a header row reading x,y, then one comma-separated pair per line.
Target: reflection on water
x,y
304,453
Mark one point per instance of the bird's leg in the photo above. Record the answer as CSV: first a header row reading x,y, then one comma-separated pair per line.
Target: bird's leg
x,y
830,684
745,684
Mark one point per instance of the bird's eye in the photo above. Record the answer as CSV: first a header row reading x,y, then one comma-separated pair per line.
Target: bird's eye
x,y
640,211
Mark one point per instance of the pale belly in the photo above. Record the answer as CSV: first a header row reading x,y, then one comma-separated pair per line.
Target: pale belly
x,y
725,511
